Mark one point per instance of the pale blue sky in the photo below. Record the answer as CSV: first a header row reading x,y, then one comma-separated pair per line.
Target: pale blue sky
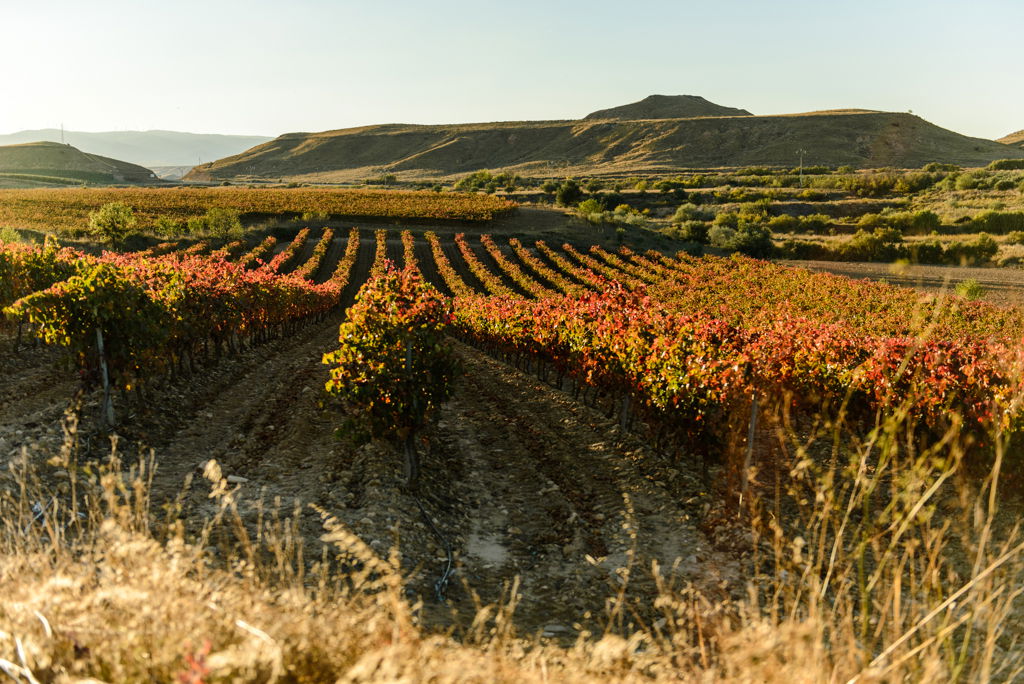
x,y
260,67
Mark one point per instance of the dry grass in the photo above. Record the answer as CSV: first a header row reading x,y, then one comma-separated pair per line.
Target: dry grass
x,y
878,555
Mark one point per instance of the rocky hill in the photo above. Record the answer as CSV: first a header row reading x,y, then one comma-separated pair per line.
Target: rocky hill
x,y
595,146
53,163
666,107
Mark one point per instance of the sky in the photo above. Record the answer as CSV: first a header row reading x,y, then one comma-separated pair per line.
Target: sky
x,y
270,67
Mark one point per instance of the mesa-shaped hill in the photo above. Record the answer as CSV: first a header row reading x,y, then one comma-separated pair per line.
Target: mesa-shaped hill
x,y
54,163
601,146
666,107
1015,139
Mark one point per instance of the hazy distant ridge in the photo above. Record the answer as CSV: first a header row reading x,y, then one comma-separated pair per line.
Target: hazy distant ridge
x,y
145,148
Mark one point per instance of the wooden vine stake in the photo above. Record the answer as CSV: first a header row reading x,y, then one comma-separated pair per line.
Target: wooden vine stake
x,y
750,446
412,461
107,409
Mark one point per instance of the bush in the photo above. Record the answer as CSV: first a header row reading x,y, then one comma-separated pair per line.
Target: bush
x,y
784,223
720,235
884,244
1015,238
690,212
972,253
9,235
998,222
1006,165
970,289
753,239
167,226
966,181
112,223
693,231
589,206
568,193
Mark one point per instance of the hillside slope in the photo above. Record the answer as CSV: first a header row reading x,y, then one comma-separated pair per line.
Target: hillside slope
x,y
666,107
49,160
1015,139
590,147
145,148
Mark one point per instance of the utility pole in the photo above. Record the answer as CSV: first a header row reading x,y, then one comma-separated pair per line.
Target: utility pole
x,y
801,152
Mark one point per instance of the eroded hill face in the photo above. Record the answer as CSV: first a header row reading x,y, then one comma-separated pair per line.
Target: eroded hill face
x,y
51,161
597,145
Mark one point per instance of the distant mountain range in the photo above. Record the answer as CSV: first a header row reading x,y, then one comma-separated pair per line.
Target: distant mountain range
x,y
656,135
145,148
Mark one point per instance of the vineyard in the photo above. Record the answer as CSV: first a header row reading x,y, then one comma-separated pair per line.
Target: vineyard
x,y
551,405
67,210
677,341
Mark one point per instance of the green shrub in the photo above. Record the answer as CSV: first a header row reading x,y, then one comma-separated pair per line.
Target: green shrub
x,y
926,252
690,212
223,222
1006,165
784,223
112,223
970,289
1015,237
693,231
998,222
972,253
721,235
568,193
167,226
727,218
9,235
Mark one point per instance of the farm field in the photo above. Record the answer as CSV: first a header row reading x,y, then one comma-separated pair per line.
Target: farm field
x,y
67,210
599,454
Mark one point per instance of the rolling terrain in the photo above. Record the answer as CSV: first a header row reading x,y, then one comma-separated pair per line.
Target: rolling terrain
x,y
674,134
145,148
43,163
1015,139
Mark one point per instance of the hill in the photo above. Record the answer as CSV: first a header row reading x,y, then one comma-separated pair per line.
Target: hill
x,y
1015,139
666,107
145,148
53,163
595,147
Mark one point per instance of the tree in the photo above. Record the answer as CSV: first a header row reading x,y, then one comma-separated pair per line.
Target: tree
x,y
112,223
568,193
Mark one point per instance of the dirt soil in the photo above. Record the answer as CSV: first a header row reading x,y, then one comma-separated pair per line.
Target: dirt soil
x,y
521,480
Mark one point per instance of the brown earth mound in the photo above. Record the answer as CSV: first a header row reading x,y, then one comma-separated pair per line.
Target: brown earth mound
x,y
666,107
55,160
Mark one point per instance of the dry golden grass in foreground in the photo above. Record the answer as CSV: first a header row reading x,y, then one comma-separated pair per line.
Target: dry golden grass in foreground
x,y
874,559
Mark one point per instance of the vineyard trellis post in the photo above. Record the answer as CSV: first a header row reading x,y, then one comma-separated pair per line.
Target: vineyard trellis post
x,y
412,463
107,408
751,428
